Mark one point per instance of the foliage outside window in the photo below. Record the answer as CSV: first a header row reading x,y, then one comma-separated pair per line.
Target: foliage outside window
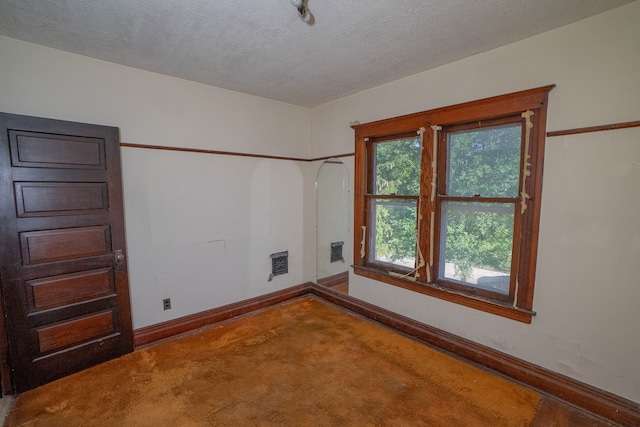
x,y
448,201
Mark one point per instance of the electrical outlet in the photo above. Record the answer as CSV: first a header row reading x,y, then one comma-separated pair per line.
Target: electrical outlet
x,y
166,304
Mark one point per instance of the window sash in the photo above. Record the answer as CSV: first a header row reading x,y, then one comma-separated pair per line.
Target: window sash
x,y
390,256
479,281
452,142
377,144
444,200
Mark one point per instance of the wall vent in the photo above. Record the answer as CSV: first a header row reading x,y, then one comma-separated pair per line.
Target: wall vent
x,y
336,251
279,264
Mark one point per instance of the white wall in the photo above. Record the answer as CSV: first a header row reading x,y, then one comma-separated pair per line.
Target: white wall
x,y
587,291
202,233
333,223
200,228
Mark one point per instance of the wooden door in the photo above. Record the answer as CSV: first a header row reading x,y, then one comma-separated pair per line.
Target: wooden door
x,y
62,256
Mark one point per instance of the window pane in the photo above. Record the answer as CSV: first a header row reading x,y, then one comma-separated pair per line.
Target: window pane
x,y
397,167
484,162
393,238
476,242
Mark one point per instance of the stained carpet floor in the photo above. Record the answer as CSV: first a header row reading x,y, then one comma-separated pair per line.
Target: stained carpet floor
x,y
302,363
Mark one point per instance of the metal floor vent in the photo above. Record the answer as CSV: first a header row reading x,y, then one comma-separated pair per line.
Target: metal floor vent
x,y
279,264
336,251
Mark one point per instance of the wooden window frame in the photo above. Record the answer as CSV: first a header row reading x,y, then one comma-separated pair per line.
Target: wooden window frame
x,y
495,109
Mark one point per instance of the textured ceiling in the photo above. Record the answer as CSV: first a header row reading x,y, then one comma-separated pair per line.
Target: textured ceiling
x,y
262,48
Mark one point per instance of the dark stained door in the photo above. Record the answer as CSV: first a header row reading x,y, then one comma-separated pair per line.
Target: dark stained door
x,y
62,256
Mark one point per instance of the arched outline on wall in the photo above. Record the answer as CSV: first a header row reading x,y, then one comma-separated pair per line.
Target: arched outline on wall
x,y
327,277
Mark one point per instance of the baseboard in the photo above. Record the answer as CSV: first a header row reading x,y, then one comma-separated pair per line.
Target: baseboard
x,y
334,280
592,399
154,333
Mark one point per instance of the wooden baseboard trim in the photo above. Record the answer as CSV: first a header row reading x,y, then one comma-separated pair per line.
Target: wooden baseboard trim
x,y
160,331
594,400
334,280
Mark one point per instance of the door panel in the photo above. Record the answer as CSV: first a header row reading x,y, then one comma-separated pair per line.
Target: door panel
x,y
65,297
60,198
46,150
66,289
53,245
74,331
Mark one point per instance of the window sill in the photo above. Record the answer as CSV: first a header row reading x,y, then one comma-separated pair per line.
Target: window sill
x,y
492,307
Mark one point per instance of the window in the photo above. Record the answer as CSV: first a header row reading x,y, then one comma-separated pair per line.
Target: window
x,y
447,201
393,193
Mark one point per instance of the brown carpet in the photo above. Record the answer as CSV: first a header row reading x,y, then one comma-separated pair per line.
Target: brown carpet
x,y
302,363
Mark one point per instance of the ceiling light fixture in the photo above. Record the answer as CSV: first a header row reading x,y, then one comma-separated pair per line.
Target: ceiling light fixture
x,y
303,12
